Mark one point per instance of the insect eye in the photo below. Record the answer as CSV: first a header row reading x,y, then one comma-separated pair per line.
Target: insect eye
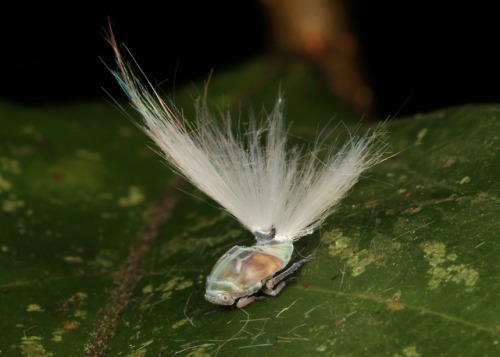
x,y
226,299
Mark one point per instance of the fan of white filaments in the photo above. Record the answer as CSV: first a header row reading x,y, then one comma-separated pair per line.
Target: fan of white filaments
x,y
256,177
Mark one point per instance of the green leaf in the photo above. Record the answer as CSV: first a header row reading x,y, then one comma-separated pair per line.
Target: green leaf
x,y
100,252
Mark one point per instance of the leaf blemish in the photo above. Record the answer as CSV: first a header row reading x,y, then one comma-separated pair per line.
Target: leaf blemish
x,y
134,197
176,283
34,308
12,204
342,246
73,259
421,135
413,210
410,351
359,261
5,185
148,289
393,303
449,162
10,165
442,271
32,346
338,244
464,180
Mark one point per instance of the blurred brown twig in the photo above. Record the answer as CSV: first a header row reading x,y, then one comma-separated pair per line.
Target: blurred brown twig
x,y
321,31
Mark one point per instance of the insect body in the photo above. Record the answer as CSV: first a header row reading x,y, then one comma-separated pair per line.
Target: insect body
x,y
244,271
278,192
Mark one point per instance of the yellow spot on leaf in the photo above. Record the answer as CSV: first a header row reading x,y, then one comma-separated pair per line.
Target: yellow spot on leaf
x,y
176,283
34,308
421,135
32,346
57,335
184,285
12,205
148,289
5,185
442,271
411,351
73,259
321,348
343,247
81,314
464,180
81,295
359,261
338,244
9,165
135,196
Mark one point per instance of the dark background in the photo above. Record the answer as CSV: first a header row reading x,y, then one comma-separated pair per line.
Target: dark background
x,y
419,55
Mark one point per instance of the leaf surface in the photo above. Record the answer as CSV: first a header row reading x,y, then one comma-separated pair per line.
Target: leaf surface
x,y
101,252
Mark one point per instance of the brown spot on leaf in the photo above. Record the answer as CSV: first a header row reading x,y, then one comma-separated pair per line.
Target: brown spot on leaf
x,y
58,175
394,304
70,325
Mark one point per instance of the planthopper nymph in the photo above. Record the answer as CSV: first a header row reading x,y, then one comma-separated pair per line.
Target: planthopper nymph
x,y
277,191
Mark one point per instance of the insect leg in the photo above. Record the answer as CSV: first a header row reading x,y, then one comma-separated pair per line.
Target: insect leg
x,y
277,283
247,300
